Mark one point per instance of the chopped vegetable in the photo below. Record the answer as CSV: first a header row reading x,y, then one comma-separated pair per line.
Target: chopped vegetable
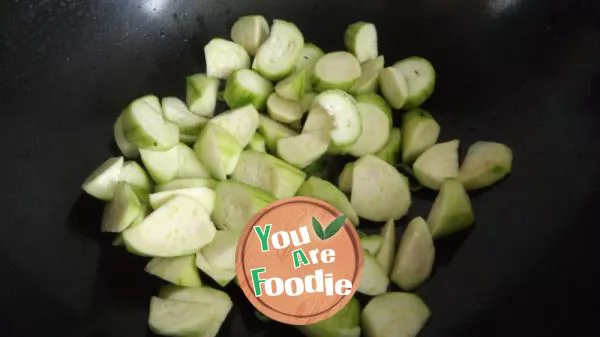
x,y
162,166
122,210
420,77
186,183
171,318
128,149
371,243
379,191
201,94
438,163
419,132
394,87
236,203
257,143
303,149
376,120
337,70
385,255
283,110
135,176
394,314
346,120
246,86
309,56
203,195
250,32
361,39
345,323
451,211
415,256
345,178
145,127
223,57
176,111
324,190
318,119
374,279
217,259
485,164
277,56
273,131
368,82
293,86
391,150
179,270
240,123
102,182
217,150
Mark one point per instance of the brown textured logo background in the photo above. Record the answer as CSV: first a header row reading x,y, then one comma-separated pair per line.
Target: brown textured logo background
x,y
287,215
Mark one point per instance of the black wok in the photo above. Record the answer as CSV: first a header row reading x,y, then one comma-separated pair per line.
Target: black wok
x,y
522,72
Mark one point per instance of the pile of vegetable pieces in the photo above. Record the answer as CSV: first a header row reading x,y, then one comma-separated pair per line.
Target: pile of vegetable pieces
x,y
201,175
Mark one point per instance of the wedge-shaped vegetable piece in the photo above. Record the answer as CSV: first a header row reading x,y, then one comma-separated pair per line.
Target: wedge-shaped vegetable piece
x,y
374,279
419,132
361,39
415,256
240,123
203,195
145,127
345,178
180,227
136,177
186,183
128,149
189,164
323,190
303,149
245,87
385,255
268,173
177,318
273,131
307,100
451,211
391,151
122,210
102,182
257,143
372,243
219,301
394,87
292,87
152,101
346,120
217,150
395,314
379,191
175,110
217,259
376,119
337,70
420,76
345,323
250,32
145,210
201,94
236,203
162,166
485,164
277,56
283,110
318,119
436,164
309,56
223,57
368,82
179,270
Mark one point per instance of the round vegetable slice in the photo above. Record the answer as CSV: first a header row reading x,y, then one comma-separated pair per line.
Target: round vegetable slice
x,y
277,56
415,256
376,120
420,76
236,203
128,149
122,210
303,149
177,112
361,39
379,192
323,190
394,314
342,107
485,164
223,57
245,87
394,87
250,32
292,87
368,82
451,211
283,110
179,270
419,132
102,182
180,227
436,164
336,70
201,94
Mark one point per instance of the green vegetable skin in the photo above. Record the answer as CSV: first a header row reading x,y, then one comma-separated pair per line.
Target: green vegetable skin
x,y
346,323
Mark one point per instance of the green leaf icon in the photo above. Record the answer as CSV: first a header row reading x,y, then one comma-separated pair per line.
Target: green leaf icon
x,y
334,226
318,229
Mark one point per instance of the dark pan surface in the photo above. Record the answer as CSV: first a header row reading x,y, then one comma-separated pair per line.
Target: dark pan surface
x,y
523,72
